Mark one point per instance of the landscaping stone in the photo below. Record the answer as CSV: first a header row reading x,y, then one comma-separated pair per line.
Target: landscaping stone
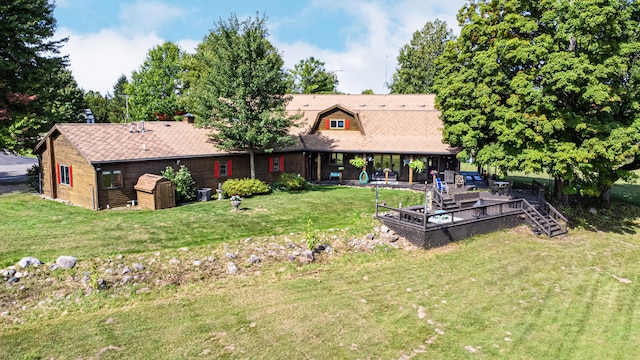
x,y
29,261
232,268
254,259
127,279
230,255
174,261
370,236
197,263
138,267
13,280
66,262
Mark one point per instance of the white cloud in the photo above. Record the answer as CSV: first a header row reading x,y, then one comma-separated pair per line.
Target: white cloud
x,y
98,59
372,40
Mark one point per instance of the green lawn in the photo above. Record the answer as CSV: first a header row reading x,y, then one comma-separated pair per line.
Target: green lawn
x,y
48,229
505,295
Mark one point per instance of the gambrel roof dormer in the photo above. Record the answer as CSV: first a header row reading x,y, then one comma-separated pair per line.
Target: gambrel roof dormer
x,y
337,118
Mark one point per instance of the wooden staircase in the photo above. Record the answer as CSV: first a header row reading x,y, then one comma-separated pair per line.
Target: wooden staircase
x,y
544,219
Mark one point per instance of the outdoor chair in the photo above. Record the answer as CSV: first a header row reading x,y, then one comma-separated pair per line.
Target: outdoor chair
x,y
442,186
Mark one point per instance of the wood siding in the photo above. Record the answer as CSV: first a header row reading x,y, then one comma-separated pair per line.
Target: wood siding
x,y
59,150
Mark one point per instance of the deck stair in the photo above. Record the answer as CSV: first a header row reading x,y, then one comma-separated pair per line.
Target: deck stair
x,y
543,218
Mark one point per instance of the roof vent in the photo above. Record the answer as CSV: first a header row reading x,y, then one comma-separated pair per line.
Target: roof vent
x,y
363,104
401,105
167,124
306,104
382,105
422,105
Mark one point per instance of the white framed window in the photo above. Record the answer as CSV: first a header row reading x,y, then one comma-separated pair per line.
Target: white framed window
x,y
65,175
336,124
223,168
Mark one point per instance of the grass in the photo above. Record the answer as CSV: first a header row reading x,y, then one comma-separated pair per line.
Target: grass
x,y
48,229
502,295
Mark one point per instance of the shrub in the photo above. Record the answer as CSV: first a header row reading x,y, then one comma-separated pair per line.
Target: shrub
x,y
290,182
33,178
313,238
244,187
183,182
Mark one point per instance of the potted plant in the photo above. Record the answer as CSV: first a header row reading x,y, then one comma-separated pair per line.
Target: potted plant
x,y
416,165
235,201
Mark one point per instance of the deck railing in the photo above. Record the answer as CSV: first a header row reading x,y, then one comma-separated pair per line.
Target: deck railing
x,y
415,217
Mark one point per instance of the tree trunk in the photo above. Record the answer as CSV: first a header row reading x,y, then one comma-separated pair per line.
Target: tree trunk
x,y
605,194
558,191
252,164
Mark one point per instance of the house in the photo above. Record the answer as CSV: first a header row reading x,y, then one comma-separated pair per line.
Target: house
x,y
98,165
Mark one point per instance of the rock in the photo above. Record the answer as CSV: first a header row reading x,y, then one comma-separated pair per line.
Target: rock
x,y
306,257
384,229
370,236
53,267
20,274
593,211
102,284
143,290
248,240
254,259
126,270
230,255
184,249
119,257
232,268
126,279
9,273
174,261
211,259
66,262
197,263
13,280
29,261
138,267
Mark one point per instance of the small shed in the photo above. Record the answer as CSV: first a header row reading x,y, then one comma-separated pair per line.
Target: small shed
x,y
155,192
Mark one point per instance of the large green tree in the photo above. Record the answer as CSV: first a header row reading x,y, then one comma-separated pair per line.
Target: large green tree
x,y
547,85
98,105
310,77
417,59
239,88
155,88
36,90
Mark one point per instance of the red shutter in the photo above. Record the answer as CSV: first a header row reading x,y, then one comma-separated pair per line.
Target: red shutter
x,y
70,176
282,163
326,123
270,164
347,123
216,169
229,168
58,172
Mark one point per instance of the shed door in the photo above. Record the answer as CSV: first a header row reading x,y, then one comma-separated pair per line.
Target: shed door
x,y
165,195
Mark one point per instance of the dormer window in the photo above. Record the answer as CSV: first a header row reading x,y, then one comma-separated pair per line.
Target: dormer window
x,y
337,124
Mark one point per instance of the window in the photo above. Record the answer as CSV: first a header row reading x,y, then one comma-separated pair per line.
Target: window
x,y
64,173
222,168
112,179
276,164
337,124
336,159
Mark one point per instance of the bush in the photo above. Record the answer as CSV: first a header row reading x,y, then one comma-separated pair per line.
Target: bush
x,y
183,182
33,178
290,182
244,187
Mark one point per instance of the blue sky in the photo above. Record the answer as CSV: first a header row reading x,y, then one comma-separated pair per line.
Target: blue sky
x,y
359,40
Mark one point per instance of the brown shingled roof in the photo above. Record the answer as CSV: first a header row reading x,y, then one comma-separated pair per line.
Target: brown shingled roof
x,y
119,142
391,124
